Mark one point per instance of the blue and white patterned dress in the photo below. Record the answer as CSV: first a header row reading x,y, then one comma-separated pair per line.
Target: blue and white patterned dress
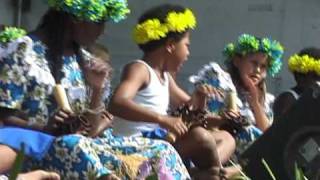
x,y
26,84
250,133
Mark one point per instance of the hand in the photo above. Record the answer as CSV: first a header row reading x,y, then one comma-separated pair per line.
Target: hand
x,y
230,114
233,121
174,125
98,125
96,73
59,118
200,96
254,93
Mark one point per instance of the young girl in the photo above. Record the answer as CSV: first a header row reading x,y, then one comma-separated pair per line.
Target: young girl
x,y
248,61
305,69
146,90
33,65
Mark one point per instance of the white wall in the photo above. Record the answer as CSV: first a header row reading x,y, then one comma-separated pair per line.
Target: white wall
x,y
295,23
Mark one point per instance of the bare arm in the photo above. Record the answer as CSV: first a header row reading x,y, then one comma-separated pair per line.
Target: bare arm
x,y
261,118
262,121
177,95
122,103
282,104
14,118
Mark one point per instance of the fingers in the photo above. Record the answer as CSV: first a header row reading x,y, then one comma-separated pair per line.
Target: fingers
x,y
40,175
229,114
52,176
180,128
98,67
62,116
233,114
108,115
248,83
209,91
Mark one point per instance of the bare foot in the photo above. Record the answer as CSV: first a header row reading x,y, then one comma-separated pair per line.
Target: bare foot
x,y
229,172
39,175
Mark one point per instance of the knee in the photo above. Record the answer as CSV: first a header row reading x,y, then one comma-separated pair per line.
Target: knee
x,y
227,138
203,138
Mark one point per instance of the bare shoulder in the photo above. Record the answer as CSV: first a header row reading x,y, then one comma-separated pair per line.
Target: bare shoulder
x,y
134,69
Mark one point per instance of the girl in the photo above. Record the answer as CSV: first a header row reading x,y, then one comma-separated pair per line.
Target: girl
x,y
248,61
146,90
33,65
304,67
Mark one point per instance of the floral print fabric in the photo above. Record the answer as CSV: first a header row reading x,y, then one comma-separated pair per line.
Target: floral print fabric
x,y
26,85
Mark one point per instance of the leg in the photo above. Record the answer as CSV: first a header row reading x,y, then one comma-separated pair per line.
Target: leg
x,y
225,144
199,145
7,156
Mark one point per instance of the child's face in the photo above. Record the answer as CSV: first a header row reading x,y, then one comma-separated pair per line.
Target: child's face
x,y
254,66
179,54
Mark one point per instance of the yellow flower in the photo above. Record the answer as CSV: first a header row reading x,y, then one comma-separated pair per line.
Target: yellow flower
x,y
179,22
304,64
151,29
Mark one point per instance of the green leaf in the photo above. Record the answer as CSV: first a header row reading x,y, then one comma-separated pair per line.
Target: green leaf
x,y
152,177
265,164
17,166
298,173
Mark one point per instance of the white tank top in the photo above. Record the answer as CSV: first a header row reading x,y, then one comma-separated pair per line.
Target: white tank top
x,y
155,97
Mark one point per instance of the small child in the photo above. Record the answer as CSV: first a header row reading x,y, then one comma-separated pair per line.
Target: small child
x,y
248,61
147,89
305,67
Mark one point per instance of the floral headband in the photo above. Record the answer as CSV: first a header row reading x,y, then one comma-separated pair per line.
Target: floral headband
x,y
153,29
11,33
304,64
93,10
250,44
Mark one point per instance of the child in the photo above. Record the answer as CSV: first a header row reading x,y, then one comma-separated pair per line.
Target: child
x,y
305,69
248,60
146,90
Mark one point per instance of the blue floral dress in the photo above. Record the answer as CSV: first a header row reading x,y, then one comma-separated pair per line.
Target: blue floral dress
x,y
250,133
26,84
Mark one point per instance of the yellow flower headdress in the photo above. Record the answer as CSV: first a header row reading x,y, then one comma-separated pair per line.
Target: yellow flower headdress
x,y
304,64
153,29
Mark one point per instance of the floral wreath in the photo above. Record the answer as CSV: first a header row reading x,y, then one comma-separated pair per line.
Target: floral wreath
x,y
153,29
93,10
11,33
250,44
304,64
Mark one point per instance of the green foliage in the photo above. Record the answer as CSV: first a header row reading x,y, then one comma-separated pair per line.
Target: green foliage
x,y
17,166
